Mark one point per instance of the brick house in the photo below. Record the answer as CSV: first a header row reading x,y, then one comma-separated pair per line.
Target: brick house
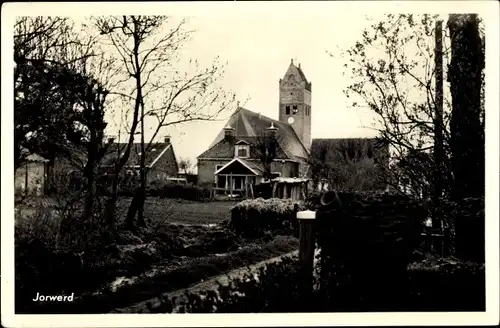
x,y
66,173
161,162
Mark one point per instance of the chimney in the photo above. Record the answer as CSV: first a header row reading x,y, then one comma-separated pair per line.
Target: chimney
x,y
228,133
166,139
272,130
299,65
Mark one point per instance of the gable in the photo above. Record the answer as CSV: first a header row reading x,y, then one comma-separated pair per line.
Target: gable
x,y
239,166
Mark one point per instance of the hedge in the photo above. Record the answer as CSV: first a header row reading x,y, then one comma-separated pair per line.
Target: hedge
x,y
446,285
255,217
449,285
366,245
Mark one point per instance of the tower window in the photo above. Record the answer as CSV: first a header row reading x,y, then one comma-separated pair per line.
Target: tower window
x,y
295,110
308,111
287,110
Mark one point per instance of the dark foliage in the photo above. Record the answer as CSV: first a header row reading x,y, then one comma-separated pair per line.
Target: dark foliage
x,y
366,246
448,285
464,228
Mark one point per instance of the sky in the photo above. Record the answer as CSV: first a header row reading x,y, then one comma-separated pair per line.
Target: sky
x,y
258,51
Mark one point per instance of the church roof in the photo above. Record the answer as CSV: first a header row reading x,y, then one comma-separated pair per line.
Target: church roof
x,y
297,69
247,126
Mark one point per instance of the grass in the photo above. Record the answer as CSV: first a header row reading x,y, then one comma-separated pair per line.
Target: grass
x,y
182,211
191,272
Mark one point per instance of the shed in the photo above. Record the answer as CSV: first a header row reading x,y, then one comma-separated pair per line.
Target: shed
x,y
31,176
294,188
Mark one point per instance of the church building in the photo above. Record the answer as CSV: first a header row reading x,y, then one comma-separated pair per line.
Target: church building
x,y
235,158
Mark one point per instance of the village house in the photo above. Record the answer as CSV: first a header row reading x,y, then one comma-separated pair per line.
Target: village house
x,y
161,163
231,163
66,173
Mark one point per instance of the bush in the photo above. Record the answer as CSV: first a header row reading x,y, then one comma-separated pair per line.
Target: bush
x,y
446,285
59,254
255,217
171,190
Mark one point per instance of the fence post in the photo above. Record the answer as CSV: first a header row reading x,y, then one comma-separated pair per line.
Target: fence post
x,y
306,254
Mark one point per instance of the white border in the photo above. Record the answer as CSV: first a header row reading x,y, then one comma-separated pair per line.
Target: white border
x,y
488,10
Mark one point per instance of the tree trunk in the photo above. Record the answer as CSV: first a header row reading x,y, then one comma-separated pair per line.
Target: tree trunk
x,y
467,135
111,205
139,196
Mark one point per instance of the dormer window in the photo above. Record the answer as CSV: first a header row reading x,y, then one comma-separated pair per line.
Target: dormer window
x,y
242,149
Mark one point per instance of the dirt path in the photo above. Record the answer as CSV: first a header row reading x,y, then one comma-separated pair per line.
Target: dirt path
x,y
210,284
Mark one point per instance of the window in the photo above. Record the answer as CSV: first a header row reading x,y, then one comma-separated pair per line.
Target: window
x,y
308,110
221,181
275,175
295,109
242,151
287,110
218,167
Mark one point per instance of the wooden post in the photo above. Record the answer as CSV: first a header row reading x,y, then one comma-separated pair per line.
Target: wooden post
x,y
306,254
231,185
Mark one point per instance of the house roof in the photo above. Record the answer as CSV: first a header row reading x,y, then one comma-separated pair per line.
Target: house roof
x,y
249,125
226,149
156,150
332,149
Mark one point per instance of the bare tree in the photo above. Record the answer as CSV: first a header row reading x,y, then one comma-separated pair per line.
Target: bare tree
x,y
186,165
266,148
347,165
392,69
149,50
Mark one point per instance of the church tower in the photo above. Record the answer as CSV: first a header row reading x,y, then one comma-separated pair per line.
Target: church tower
x,y
295,103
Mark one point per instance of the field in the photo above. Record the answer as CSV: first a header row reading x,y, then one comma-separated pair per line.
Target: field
x,y
178,211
